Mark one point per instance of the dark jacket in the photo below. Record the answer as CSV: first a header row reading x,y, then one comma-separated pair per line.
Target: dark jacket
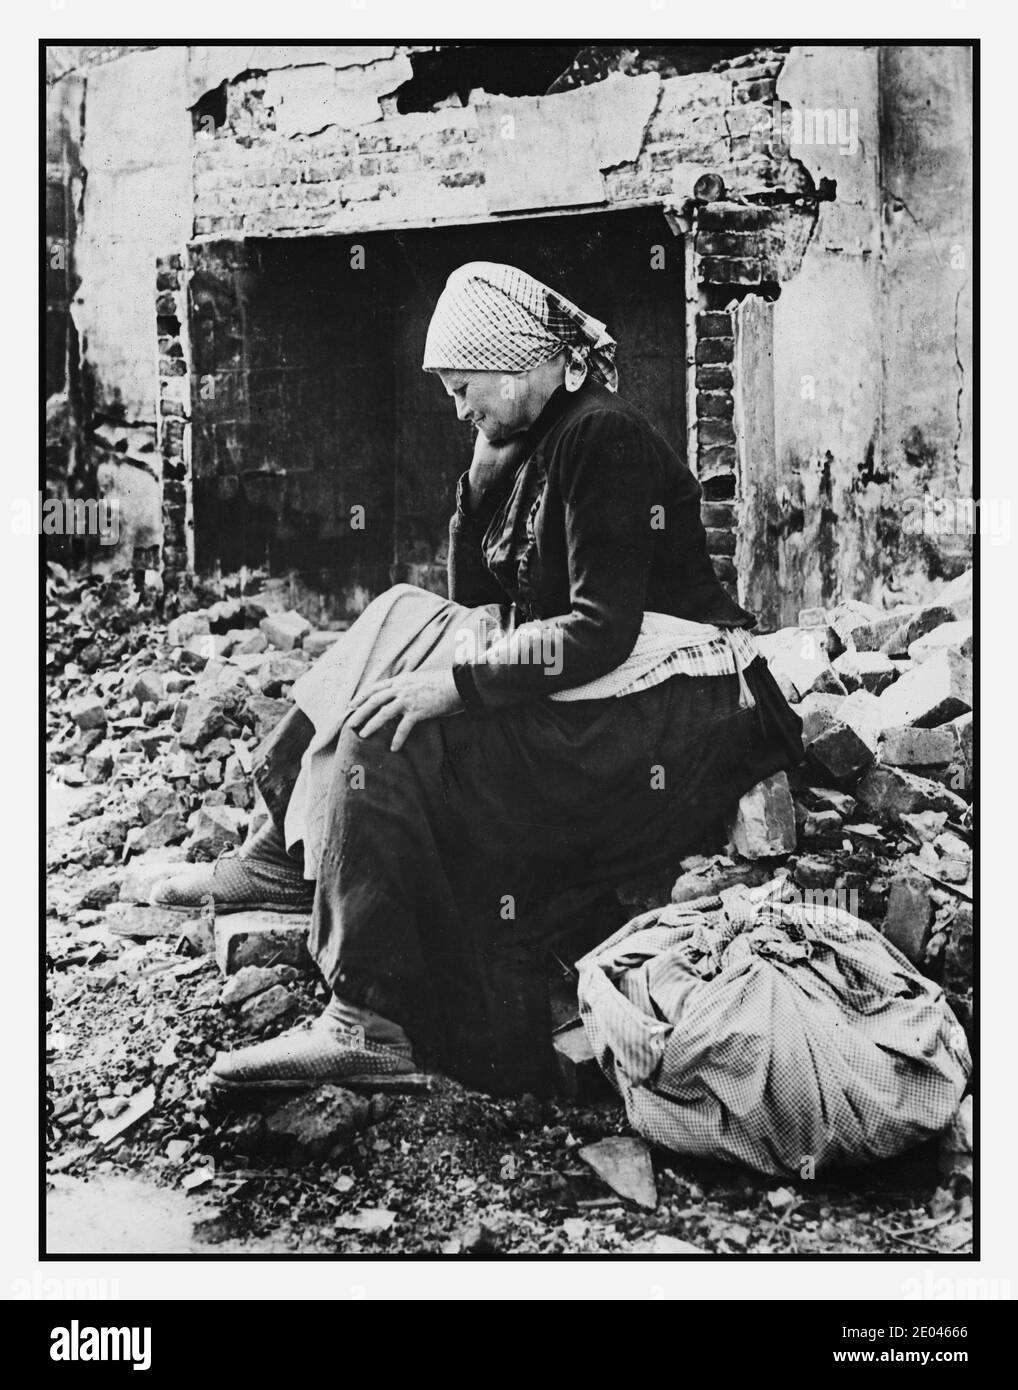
x,y
600,524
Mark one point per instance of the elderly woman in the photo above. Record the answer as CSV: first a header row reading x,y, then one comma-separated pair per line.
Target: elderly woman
x,y
586,706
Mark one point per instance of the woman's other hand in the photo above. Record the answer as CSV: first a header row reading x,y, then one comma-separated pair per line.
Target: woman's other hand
x,y
409,698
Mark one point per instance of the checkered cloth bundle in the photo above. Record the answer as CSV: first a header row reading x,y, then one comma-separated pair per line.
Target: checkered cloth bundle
x,y
783,1036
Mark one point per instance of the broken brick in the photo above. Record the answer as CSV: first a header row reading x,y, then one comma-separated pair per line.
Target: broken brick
x,y
166,829
930,694
185,627
623,1163
717,875
204,719
958,595
856,625
225,614
958,952
818,711
921,622
826,799
245,642
822,828
252,980
265,713
142,922
285,630
320,1122
148,687
842,747
870,637
889,792
272,1005
814,871
196,653
796,656
909,747
317,643
99,763
261,938
866,670
277,672
215,829
155,802
961,767
764,822
88,713
924,825
909,914
812,617
955,637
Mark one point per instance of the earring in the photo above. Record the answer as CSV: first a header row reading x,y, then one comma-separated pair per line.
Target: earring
x,y
576,370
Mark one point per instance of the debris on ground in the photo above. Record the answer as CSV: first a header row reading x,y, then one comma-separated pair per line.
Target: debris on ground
x,y
151,731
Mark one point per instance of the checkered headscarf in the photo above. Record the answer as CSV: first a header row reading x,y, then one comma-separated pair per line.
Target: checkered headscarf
x,y
495,318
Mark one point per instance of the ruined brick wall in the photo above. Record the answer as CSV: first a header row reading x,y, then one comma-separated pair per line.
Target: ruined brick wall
x,y
740,250
432,167
257,174
173,434
130,204
802,265
862,365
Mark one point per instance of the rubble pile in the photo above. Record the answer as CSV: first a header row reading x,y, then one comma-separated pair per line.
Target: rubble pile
x,y
151,732
161,722
878,820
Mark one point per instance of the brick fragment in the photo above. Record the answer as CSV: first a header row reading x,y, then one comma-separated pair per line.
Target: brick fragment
x,y
955,637
958,595
262,938
285,630
937,690
764,822
865,670
917,625
321,1122
185,627
89,713
886,793
273,1005
909,914
907,747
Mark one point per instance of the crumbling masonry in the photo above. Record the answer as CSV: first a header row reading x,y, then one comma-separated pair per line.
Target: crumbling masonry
x,y
778,251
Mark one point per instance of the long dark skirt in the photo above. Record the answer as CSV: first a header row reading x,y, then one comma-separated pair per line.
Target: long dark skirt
x,y
439,865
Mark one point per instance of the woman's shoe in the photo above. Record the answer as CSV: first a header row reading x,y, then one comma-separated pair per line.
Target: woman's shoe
x,y
235,884
311,1056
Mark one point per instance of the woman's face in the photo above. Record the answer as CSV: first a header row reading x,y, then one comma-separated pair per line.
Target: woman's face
x,y
501,404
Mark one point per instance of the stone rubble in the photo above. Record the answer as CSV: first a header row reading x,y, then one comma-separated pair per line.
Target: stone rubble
x,y
883,803
165,722
151,734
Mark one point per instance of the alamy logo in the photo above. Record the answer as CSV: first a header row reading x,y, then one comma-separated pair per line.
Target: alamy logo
x,y
531,644
76,1343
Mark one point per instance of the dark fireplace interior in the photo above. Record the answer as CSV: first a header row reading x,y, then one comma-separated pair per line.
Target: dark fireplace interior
x,y
309,402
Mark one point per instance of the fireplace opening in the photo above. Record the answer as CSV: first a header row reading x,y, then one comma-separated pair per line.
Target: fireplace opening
x,y
319,446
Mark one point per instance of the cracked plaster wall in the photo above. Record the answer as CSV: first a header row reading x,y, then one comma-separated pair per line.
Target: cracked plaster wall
x,y
871,348
871,335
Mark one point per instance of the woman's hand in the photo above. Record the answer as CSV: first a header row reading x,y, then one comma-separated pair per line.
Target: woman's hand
x,y
410,698
491,463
